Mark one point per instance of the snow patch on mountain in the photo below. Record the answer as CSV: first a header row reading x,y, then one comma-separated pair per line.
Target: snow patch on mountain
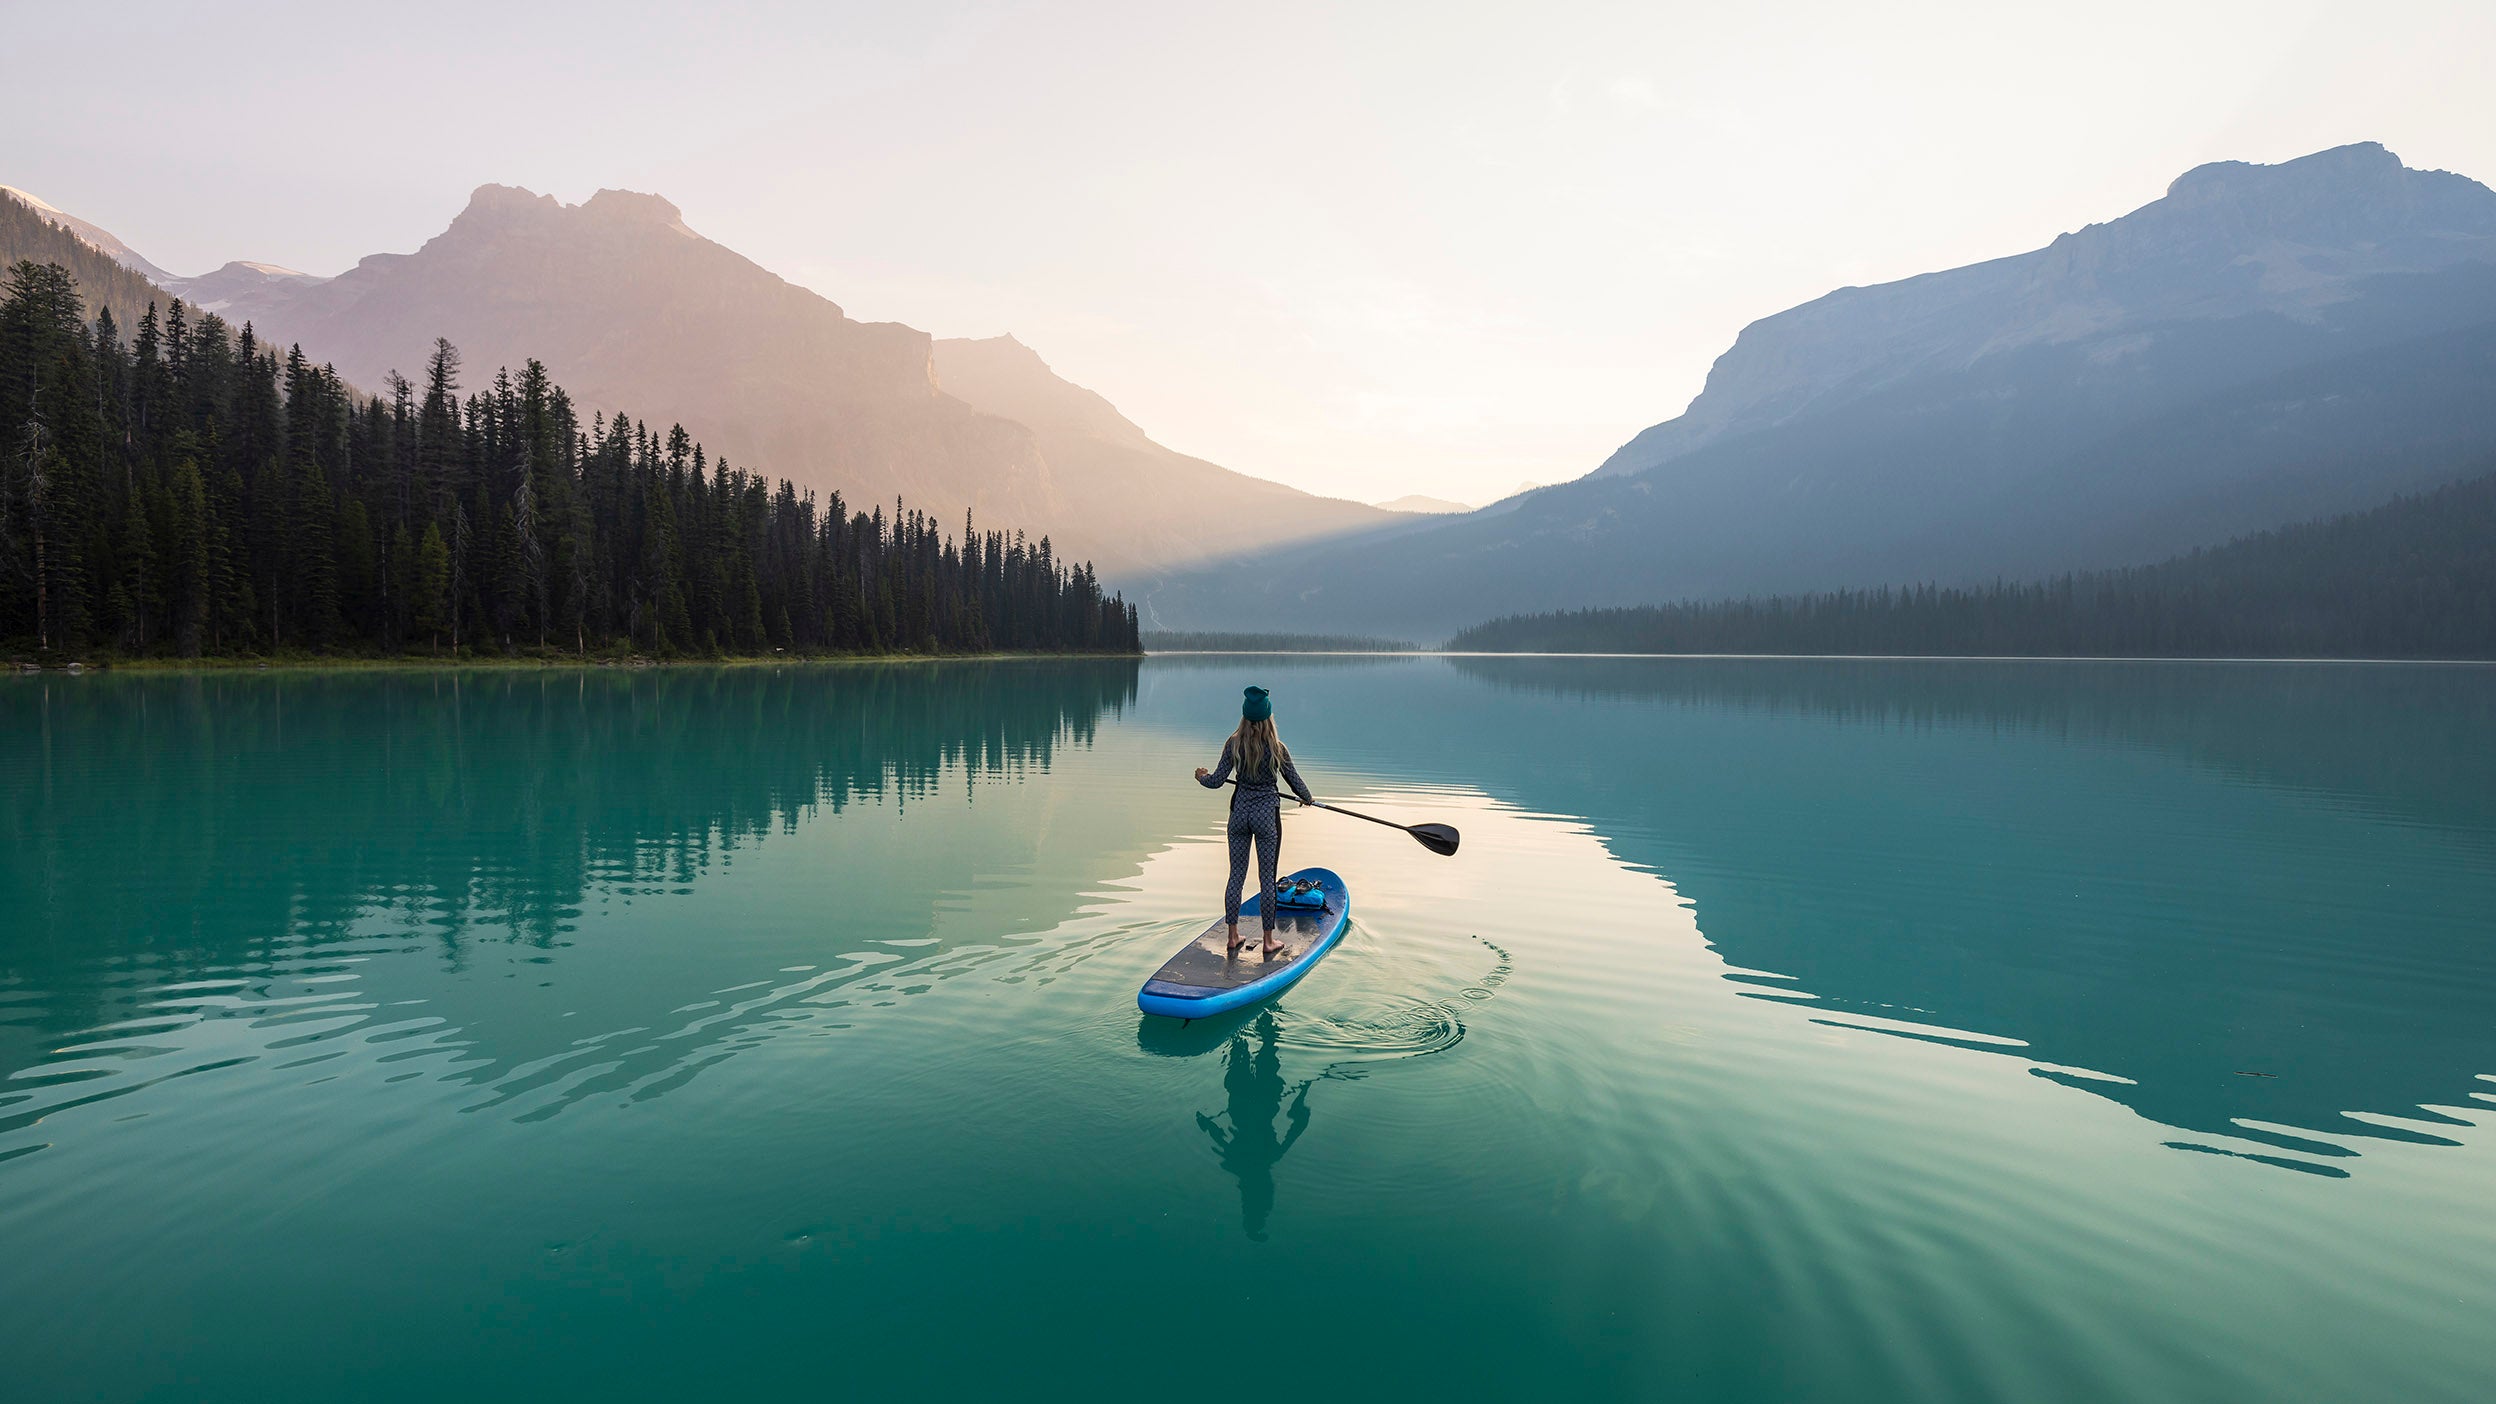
x,y
95,236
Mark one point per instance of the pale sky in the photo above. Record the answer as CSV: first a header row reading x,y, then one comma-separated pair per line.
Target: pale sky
x,y
1368,250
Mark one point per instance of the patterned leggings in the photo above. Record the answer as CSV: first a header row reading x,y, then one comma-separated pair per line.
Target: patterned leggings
x,y
1264,823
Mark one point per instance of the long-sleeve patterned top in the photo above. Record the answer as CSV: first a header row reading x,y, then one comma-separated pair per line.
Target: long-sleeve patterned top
x,y
1258,789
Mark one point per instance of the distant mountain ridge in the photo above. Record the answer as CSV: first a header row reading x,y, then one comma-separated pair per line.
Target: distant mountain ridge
x,y
240,282
2228,239
2265,344
629,307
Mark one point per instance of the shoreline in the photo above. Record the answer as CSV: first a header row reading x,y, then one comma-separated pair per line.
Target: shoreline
x,y
626,663
1808,657
637,663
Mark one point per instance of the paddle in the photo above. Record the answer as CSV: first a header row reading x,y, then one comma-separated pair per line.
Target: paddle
x,y
1438,838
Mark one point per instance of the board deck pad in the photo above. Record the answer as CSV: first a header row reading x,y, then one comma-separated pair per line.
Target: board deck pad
x,y
1202,965
1204,979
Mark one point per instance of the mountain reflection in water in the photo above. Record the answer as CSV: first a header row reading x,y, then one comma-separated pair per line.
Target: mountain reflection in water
x,y
2036,851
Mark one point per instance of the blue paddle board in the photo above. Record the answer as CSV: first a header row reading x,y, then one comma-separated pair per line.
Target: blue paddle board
x,y
1203,980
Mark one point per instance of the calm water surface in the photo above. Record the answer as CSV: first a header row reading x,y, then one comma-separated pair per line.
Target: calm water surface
x,y
1827,1031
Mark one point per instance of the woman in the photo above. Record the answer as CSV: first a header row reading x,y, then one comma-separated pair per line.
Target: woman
x,y
1256,807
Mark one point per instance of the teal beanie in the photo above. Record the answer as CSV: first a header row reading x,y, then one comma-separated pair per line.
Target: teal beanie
x,y
1256,706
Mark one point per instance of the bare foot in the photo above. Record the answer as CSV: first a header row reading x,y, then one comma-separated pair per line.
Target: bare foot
x,y
1233,948
1273,947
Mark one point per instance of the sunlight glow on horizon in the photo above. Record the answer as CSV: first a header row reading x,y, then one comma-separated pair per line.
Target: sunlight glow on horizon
x,y
1368,251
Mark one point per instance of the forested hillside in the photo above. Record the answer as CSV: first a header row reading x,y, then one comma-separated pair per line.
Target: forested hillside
x,y
2415,578
103,285
180,489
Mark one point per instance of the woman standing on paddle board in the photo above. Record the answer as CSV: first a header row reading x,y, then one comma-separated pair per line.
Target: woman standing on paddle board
x,y
1256,807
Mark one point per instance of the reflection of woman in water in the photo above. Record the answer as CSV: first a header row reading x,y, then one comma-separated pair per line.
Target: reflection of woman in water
x,y
1248,1146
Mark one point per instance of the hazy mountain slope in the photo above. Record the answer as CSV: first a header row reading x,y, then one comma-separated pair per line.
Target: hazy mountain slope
x,y
255,284
1967,433
2228,240
632,309
94,236
33,230
1876,493
1176,509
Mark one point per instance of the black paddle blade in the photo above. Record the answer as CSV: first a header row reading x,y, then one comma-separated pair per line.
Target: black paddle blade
x,y
1438,838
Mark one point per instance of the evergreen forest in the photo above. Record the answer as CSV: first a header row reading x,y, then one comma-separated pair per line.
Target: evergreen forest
x,y
180,489
2414,578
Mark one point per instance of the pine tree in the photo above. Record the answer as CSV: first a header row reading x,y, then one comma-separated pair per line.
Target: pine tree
x,y
359,569
430,589
187,557
526,560
399,624
234,608
139,597
314,554
458,582
440,445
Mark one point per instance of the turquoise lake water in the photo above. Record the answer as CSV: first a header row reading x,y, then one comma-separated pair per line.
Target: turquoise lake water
x,y
1785,1030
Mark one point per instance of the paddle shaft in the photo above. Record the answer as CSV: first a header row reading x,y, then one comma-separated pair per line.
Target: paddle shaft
x,y
1315,804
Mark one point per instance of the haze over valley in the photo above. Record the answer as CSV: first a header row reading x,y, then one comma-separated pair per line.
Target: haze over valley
x,y
2261,346
627,306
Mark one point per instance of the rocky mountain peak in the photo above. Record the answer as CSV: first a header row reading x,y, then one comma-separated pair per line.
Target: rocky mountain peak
x,y
612,218
2347,198
2358,163
497,204
634,207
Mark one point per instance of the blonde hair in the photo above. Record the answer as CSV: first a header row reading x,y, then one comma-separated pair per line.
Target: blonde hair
x,y
1258,750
